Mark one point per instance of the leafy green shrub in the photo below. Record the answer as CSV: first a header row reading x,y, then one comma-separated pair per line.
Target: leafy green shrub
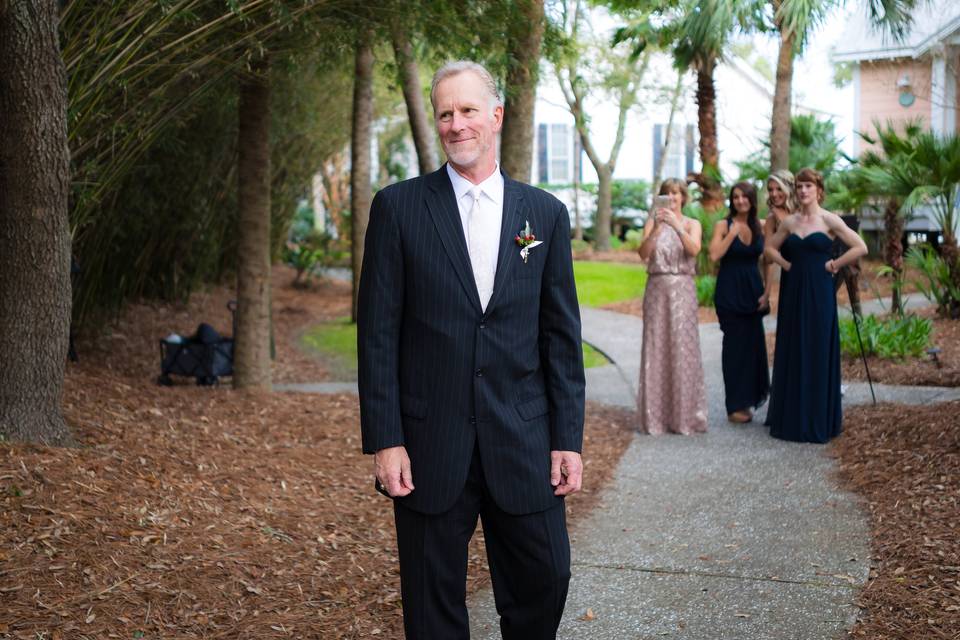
x,y
938,286
634,238
579,246
707,221
313,253
895,337
706,285
615,243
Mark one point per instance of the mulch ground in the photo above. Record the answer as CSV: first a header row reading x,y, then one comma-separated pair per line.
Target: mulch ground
x,y
204,512
905,463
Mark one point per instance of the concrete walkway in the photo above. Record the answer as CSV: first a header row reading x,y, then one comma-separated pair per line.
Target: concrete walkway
x,y
731,534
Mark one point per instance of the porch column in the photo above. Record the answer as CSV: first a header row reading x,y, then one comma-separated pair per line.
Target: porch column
x,y
943,92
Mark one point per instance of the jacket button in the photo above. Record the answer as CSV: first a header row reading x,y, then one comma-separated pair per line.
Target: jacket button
x,y
479,373
483,325
473,419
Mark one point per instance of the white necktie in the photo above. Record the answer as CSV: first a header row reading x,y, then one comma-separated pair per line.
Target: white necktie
x,y
479,255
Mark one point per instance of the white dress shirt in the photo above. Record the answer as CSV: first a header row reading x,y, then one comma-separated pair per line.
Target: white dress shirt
x,y
485,248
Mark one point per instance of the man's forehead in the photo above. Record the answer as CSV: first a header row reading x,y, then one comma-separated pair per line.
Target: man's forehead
x,y
463,86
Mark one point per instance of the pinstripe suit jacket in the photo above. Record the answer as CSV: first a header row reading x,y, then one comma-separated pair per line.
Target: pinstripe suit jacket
x,y
439,375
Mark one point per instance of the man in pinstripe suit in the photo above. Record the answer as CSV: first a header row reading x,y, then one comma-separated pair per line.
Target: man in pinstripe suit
x,y
471,374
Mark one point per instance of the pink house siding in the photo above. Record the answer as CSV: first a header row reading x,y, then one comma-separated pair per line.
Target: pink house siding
x,y
880,95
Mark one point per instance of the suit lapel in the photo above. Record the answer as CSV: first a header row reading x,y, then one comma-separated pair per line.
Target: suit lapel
x,y
446,217
509,227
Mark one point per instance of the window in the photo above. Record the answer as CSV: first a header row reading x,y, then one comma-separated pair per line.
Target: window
x,y
560,153
555,153
681,152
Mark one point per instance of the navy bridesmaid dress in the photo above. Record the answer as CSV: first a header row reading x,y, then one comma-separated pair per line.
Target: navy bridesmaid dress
x,y
746,377
805,403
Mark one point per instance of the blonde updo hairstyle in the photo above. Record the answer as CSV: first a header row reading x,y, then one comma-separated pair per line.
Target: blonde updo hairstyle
x,y
787,184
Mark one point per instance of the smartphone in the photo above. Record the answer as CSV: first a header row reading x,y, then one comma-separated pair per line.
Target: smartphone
x,y
661,202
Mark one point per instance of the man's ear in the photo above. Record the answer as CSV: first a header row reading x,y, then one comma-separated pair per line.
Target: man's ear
x,y
497,118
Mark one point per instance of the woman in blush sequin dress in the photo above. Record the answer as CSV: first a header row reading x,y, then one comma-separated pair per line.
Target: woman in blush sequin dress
x,y
671,397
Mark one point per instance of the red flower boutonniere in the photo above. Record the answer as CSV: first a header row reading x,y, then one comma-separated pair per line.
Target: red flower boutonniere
x,y
526,241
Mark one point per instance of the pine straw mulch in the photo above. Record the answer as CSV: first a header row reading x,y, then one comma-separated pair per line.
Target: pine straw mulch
x,y
905,463
129,345
198,512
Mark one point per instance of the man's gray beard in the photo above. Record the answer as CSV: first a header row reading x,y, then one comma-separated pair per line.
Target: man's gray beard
x,y
464,159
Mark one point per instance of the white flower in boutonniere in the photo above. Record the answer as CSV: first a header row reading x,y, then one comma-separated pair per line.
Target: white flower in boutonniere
x,y
526,241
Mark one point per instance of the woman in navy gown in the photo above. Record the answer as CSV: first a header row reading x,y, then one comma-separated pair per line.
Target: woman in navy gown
x,y
781,202
805,399
741,301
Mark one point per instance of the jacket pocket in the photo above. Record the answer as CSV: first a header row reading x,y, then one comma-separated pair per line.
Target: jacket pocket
x,y
533,408
413,407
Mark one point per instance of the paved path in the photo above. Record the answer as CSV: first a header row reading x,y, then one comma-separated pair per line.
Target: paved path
x,y
731,534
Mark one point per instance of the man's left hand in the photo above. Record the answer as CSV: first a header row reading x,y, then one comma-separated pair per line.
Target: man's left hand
x,y
566,472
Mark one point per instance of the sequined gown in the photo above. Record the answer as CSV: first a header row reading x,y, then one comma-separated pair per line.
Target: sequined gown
x,y
671,396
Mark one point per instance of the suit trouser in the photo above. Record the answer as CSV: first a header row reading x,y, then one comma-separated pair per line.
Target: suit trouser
x,y
529,557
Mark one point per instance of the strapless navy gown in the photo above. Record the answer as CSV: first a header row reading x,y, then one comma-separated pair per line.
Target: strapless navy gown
x,y
805,401
746,378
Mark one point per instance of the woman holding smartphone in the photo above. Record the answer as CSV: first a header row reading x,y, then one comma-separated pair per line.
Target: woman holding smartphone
x,y
805,399
741,302
671,397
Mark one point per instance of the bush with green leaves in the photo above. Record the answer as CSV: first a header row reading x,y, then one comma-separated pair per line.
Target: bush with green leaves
x,y
311,254
706,286
937,284
633,239
893,337
707,221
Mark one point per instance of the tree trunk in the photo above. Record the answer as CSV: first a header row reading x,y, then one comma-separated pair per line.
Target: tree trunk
x,y
516,139
335,188
252,347
601,230
667,134
360,186
708,178
893,249
409,72
780,119
577,218
34,230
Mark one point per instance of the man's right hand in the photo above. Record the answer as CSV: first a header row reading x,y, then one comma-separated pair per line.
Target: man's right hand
x,y
392,468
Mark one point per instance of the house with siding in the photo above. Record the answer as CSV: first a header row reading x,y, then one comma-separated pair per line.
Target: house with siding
x,y
913,78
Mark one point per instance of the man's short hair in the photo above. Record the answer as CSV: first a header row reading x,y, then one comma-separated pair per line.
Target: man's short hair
x,y
457,67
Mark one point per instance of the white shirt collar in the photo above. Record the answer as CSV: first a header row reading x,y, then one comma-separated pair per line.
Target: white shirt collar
x,y
492,187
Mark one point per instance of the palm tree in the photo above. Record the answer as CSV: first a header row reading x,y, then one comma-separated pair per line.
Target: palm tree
x,y
918,168
700,36
794,20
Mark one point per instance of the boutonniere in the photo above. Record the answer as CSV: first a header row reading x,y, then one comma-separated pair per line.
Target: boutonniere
x,y
526,241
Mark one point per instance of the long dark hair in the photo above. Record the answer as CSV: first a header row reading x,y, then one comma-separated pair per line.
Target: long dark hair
x,y
750,192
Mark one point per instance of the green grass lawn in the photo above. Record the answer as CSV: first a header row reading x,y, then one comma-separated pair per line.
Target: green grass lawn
x,y
600,283
336,343
592,357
